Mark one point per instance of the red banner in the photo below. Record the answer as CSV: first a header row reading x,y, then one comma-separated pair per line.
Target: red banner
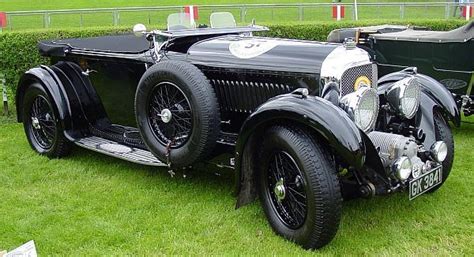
x,y
467,11
338,11
3,20
193,12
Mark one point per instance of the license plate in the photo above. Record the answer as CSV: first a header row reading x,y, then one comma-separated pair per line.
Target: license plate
x,y
425,182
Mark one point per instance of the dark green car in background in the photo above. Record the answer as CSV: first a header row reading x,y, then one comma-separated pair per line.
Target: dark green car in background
x,y
447,56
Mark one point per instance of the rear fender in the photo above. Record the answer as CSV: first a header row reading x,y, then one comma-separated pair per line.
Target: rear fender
x,y
76,102
52,85
314,113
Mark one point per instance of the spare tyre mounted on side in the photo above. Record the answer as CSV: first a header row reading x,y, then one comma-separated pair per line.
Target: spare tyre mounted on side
x,y
177,113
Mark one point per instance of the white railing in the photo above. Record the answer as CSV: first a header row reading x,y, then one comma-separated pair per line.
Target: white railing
x,y
244,13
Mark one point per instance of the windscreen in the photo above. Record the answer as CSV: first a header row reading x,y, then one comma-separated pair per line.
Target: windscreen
x,y
222,20
180,21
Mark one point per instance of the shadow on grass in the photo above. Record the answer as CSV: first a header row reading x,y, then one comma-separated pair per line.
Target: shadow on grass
x,y
207,176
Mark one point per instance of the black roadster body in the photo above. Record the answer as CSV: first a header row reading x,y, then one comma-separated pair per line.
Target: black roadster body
x,y
447,56
302,124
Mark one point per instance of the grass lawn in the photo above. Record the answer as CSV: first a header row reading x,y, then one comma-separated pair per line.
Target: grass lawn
x,y
24,5
280,14
90,204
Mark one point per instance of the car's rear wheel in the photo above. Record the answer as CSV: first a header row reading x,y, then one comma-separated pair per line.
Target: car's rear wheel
x,y
43,130
177,113
298,187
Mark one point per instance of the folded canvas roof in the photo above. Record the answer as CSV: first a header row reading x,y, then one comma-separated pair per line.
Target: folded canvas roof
x,y
462,34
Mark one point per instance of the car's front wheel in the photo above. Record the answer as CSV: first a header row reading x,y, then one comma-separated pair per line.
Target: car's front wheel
x,y
298,187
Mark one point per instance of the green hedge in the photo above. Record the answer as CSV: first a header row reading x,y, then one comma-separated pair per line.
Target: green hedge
x,y
319,31
18,51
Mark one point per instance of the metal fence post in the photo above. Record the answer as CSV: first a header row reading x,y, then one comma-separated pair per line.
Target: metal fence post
x,y
46,20
242,13
9,21
116,17
300,13
446,11
81,21
402,11
4,93
355,11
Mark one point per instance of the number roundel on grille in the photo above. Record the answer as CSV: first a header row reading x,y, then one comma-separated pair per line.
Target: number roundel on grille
x,y
350,77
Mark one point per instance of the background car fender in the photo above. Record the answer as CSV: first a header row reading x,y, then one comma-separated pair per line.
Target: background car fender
x,y
441,95
314,113
434,96
430,88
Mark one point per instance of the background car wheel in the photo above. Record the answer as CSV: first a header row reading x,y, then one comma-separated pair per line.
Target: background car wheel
x,y
177,110
42,128
443,133
298,187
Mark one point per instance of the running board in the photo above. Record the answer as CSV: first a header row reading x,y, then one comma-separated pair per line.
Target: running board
x,y
120,151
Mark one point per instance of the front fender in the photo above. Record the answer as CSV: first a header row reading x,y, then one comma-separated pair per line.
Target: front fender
x,y
315,113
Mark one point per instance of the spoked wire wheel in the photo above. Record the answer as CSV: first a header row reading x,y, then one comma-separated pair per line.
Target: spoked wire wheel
x,y
298,186
177,113
42,125
170,115
286,188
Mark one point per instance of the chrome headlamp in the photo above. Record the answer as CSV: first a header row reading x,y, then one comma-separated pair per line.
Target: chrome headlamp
x,y
439,151
363,107
404,97
402,168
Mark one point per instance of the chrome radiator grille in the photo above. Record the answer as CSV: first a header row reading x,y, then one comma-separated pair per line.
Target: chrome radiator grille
x,y
350,76
240,96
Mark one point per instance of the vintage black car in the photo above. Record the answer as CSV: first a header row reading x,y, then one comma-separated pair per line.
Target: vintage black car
x,y
303,124
447,56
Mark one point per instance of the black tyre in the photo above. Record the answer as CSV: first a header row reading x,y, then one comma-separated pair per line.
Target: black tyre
x,y
443,133
177,113
298,187
43,130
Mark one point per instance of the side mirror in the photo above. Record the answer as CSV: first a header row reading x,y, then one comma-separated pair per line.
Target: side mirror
x,y
139,29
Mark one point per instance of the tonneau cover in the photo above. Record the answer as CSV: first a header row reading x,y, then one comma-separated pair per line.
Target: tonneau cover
x,y
125,44
462,34
339,35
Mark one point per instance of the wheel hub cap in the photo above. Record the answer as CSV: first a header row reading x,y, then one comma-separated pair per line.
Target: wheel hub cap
x,y
280,190
170,115
166,115
35,123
